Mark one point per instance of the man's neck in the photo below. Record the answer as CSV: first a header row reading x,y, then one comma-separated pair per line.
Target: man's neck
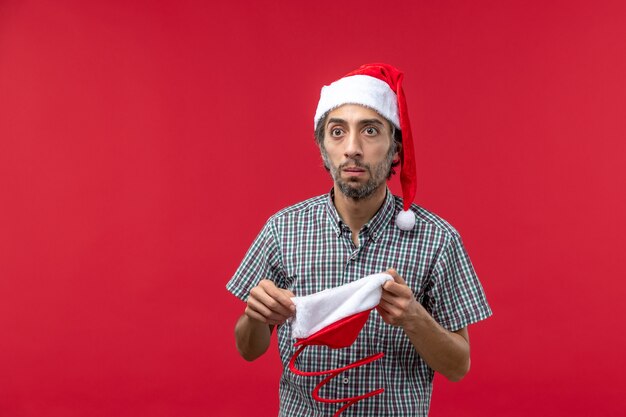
x,y
356,213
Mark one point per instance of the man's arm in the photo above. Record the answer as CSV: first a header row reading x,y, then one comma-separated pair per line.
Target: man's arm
x,y
446,352
267,306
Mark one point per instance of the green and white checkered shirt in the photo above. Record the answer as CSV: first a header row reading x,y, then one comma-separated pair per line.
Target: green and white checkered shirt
x,y
307,248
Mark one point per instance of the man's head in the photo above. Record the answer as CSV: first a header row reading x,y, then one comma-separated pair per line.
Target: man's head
x,y
353,159
359,147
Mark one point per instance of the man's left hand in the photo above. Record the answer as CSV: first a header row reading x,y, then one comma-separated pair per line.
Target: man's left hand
x,y
398,305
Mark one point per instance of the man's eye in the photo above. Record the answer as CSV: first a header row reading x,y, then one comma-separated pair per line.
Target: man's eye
x,y
335,132
371,131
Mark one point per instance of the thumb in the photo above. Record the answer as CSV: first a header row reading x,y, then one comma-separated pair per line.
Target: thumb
x,y
396,277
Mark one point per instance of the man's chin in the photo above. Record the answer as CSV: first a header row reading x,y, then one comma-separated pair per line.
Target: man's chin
x,y
356,181
355,192
353,186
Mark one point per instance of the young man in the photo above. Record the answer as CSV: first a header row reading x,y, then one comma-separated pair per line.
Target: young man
x,y
358,229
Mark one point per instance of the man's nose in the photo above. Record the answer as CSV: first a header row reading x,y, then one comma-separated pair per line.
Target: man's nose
x,y
353,147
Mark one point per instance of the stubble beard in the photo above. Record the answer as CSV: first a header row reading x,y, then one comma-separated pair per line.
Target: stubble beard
x,y
351,188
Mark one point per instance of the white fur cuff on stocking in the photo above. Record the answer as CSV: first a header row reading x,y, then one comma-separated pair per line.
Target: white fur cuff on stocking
x,y
316,311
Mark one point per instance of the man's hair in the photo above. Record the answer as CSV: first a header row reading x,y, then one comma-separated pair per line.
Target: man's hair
x,y
396,135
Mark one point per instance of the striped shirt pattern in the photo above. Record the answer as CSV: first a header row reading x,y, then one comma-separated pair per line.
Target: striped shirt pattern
x,y
307,248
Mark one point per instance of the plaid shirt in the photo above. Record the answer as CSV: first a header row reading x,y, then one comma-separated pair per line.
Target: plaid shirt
x,y
307,248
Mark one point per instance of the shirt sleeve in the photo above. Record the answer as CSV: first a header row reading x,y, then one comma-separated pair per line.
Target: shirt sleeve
x,y
456,298
262,261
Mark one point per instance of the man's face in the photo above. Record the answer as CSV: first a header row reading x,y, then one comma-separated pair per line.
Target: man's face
x,y
358,149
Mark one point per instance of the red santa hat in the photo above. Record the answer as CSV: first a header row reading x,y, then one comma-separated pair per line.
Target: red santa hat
x,y
379,87
334,318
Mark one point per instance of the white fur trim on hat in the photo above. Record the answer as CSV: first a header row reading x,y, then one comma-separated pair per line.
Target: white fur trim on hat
x,y
359,89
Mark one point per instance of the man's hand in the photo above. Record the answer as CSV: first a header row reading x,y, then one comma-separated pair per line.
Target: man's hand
x,y
270,304
444,351
398,305
267,306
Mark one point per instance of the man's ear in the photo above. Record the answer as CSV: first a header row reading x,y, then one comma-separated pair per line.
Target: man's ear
x,y
320,146
396,156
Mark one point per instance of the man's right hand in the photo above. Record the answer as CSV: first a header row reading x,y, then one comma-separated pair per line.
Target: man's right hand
x,y
270,304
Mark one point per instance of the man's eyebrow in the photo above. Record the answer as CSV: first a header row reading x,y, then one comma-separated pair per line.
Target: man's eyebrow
x,y
371,121
335,120
361,122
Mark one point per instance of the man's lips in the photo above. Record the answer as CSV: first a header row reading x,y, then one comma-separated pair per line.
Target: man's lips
x,y
354,172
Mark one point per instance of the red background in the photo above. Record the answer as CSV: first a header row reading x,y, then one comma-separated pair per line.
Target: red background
x,y
144,144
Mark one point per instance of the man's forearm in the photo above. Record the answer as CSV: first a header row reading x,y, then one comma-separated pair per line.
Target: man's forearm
x,y
252,337
446,352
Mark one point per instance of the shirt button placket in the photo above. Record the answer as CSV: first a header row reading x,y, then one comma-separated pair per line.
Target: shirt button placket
x,y
350,267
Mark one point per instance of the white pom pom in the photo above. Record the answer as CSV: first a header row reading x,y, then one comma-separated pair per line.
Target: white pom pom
x,y
405,220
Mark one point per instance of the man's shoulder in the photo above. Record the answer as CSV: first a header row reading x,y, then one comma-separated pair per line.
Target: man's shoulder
x,y
426,219
311,206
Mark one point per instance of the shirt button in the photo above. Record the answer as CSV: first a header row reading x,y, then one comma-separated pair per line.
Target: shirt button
x,y
346,380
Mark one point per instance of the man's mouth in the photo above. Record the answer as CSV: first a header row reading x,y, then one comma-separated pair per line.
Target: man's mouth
x,y
354,171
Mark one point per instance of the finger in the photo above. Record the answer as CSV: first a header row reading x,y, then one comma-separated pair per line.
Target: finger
x,y
393,304
396,277
382,310
383,304
274,305
282,297
276,322
386,315
266,311
389,307
289,294
390,312
400,290
271,297
255,315
256,309
389,298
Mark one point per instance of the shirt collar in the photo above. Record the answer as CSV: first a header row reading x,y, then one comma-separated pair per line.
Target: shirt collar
x,y
376,224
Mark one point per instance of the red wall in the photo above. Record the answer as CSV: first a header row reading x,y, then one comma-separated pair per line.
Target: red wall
x,y
143,145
